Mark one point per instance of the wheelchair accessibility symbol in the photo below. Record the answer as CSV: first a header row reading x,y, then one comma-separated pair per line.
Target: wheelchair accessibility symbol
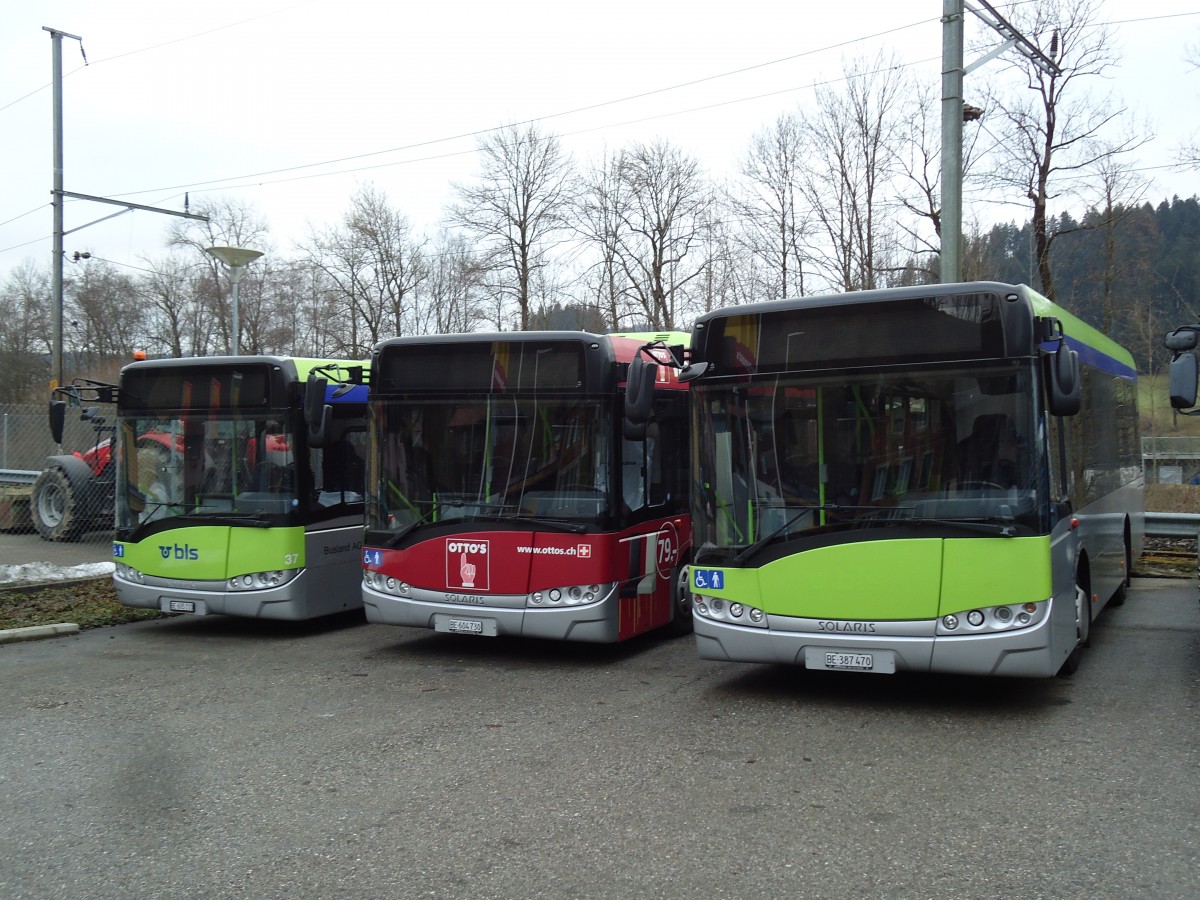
x,y
708,579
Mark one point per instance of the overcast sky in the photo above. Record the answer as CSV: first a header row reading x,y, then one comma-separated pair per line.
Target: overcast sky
x,y
290,106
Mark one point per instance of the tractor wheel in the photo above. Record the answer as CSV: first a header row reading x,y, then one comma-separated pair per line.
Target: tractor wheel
x,y
54,506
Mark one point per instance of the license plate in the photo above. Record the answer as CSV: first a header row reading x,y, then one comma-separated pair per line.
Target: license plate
x,y
881,662
858,662
188,606
487,627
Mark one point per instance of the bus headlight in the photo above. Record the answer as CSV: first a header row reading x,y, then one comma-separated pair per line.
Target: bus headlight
x,y
385,584
570,595
129,573
720,610
994,619
261,581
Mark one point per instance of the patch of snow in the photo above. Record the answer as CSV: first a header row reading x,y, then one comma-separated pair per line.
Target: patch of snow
x,y
40,571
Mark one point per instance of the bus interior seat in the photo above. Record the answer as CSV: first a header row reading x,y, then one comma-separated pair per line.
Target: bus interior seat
x,y
988,454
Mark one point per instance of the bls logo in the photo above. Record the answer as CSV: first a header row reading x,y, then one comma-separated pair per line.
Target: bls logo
x,y
468,565
184,552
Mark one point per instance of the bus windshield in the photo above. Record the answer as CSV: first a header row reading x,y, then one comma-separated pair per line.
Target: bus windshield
x,y
507,456
803,455
218,464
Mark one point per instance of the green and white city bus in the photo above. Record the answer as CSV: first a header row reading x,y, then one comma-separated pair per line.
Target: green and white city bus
x,y
240,485
942,478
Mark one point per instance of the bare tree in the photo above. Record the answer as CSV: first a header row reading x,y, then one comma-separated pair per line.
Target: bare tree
x,y
598,221
168,292
771,209
231,223
516,209
24,332
850,146
656,198
1188,153
918,163
102,319
1053,130
316,311
1121,191
451,297
374,264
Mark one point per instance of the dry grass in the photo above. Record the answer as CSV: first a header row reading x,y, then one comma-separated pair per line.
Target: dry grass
x,y
1173,498
89,604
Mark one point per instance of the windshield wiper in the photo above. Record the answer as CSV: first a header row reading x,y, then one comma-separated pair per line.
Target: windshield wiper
x,y
1007,529
416,523
803,511
193,518
573,527
1002,530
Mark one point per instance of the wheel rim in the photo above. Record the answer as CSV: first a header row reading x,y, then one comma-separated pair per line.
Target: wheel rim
x,y
51,505
683,591
1083,619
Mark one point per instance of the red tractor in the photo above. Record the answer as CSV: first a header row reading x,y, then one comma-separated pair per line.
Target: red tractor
x,y
74,493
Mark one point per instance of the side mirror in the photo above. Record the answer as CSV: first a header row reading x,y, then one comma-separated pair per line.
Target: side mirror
x,y
317,413
58,418
1063,382
639,398
1183,380
1181,339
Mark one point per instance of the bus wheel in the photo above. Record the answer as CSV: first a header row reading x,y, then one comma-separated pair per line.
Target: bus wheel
x,y
1083,631
681,601
54,506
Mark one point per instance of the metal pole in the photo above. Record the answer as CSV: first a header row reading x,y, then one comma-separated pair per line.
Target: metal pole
x,y
56,265
952,131
235,274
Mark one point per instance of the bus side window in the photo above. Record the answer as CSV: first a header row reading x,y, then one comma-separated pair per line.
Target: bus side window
x,y
633,472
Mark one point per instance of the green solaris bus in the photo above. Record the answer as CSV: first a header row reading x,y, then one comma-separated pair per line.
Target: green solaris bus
x,y
943,478
240,485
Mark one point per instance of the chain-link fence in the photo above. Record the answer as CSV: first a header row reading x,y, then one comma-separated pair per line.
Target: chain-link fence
x,y
62,493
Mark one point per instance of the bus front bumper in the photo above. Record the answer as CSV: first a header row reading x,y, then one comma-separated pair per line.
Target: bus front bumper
x,y
288,602
594,622
1024,653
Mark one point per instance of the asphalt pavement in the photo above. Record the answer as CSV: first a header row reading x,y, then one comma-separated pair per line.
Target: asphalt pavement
x,y
216,757
17,549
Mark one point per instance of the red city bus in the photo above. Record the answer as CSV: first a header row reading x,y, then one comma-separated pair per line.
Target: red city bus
x,y
505,496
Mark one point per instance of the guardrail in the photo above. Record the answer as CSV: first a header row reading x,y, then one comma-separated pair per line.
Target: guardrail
x,y
18,476
1181,525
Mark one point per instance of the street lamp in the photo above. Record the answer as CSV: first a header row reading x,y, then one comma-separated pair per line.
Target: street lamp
x,y
236,258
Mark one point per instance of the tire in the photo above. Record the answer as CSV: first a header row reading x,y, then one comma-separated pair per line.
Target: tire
x,y
681,602
1083,630
55,508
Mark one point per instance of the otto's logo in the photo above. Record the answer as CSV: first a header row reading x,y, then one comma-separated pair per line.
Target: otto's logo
x,y
467,565
480,547
177,552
